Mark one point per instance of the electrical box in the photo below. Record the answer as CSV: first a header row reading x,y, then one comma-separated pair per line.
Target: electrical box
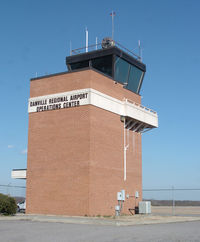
x,y
117,208
136,194
145,207
121,195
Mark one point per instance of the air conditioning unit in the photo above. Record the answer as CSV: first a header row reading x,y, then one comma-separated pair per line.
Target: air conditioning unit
x,y
145,207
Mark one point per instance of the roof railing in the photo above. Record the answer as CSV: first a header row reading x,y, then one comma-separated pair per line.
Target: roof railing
x,y
83,49
98,46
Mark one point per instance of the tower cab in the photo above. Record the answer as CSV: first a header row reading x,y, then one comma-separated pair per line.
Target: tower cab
x,y
124,67
112,61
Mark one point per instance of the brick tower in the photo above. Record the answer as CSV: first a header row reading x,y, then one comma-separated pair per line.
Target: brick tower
x,y
84,140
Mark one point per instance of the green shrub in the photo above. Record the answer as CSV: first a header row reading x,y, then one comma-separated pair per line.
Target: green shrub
x,y
8,205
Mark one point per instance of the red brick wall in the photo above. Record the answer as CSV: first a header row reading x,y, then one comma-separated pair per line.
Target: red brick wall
x,y
58,159
80,80
107,163
75,156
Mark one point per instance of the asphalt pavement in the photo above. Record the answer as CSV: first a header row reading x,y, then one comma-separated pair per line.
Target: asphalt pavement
x,y
30,231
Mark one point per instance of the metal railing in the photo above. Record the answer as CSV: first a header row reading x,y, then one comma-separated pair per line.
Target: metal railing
x,y
99,46
83,49
140,106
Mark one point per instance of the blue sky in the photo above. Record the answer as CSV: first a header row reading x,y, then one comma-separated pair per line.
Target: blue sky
x,y
35,37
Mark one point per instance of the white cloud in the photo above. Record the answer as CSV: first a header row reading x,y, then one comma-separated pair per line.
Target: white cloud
x,y
10,146
23,152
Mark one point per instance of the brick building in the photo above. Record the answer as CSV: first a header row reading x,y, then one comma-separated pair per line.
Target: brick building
x,y
84,139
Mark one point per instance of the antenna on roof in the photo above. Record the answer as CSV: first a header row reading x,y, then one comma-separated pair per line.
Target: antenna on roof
x,y
96,42
112,14
86,39
70,47
140,50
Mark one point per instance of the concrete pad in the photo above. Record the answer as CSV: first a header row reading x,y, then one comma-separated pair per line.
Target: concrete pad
x,y
114,221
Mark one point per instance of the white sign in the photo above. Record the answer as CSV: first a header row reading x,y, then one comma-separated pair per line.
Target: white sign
x,y
59,101
93,97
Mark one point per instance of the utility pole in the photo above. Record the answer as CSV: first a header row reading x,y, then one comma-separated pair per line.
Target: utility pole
x,y
173,201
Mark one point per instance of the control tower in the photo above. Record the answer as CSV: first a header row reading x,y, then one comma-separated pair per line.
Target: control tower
x,y
85,128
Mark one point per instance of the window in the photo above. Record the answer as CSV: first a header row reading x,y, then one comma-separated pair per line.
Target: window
x,y
128,74
135,78
103,64
121,68
79,65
